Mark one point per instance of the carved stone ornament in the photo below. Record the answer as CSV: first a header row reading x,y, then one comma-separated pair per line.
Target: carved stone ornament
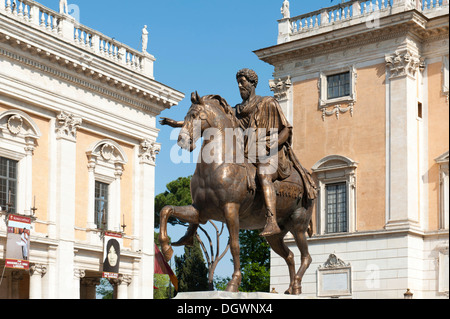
x,y
334,262
280,87
107,151
404,63
15,124
148,152
337,110
67,125
38,270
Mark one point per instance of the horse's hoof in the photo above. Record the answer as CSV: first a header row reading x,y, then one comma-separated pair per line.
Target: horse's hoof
x,y
297,290
288,292
231,287
185,241
167,253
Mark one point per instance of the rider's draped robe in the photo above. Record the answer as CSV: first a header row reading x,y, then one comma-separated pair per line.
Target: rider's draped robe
x,y
265,113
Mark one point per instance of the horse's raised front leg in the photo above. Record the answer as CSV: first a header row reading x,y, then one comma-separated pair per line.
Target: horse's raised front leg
x,y
231,211
185,213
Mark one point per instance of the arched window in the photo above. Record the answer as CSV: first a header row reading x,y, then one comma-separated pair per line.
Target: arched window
x,y
106,160
336,211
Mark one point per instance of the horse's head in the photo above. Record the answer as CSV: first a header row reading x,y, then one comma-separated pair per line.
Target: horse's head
x,y
211,111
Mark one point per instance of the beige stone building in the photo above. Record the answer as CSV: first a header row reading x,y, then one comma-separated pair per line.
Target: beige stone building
x,y
365,85
77,152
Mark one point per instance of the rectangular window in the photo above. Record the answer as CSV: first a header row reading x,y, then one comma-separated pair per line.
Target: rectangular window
x,y
8,184
101,205
338,85
336,208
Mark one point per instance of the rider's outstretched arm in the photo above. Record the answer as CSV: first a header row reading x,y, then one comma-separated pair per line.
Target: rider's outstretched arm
x,y
170,122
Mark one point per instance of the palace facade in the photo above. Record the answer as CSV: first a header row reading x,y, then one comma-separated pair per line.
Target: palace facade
x,y
77,153
366,86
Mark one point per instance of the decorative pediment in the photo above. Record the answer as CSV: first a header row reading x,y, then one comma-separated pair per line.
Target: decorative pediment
x,y
18,123
334,162
107,151
334,262
442,159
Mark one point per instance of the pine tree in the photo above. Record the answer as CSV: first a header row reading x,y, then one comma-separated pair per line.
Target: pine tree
x,y
191,270
255,262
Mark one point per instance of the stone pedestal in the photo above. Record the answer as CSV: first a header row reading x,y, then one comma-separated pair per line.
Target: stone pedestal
x,y
222,295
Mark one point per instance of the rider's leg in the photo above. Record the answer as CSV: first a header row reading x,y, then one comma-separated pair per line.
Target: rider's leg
x,y
270,198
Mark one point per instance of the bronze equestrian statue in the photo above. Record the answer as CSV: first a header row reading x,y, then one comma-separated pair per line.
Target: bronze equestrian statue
x,y
243,194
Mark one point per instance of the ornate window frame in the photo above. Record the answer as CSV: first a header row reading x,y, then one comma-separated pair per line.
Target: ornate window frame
x,y
18,139
106,162
331,170
324,102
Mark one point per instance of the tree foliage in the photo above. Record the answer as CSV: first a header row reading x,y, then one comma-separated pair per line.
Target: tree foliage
x,y
191,270
255,262
178,194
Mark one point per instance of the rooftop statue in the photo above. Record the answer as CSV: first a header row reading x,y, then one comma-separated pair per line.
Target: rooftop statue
x,y
285,10
63,7
255,182
144,39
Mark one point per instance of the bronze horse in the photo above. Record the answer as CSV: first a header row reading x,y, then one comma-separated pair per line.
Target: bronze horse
x,y
220,191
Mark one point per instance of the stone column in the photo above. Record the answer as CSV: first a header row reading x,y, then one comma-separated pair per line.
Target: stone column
x,y
66,132
37,271
147,157
78,275
122,286
403,151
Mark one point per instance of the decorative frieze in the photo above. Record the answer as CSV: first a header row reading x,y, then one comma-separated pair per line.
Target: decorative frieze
x,y
404,63
67,125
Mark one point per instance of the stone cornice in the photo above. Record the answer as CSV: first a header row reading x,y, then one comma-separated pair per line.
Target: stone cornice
x,y
126,86
400,25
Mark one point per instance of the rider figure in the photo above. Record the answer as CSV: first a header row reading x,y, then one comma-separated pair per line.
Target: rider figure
x,y
263,114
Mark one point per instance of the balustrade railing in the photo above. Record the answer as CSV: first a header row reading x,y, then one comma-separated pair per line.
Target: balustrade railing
x,y
337,14
433,4
39,16
350,10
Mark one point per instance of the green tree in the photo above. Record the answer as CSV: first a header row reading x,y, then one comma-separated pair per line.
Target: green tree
x,y
255,262
178,194
191,271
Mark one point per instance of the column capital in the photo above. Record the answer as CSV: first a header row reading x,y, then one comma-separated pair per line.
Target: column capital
x,y
67,125
38,270
404,63
79,273
148,151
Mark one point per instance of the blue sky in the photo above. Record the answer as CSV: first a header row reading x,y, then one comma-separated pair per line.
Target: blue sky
x,y
199,45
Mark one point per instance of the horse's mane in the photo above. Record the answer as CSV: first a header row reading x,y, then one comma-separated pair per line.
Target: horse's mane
x,y
227,109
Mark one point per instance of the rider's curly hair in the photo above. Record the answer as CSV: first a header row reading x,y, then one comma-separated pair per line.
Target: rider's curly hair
x,y
250,75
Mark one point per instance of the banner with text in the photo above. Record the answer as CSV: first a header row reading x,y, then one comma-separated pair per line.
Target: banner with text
x,y
18,242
